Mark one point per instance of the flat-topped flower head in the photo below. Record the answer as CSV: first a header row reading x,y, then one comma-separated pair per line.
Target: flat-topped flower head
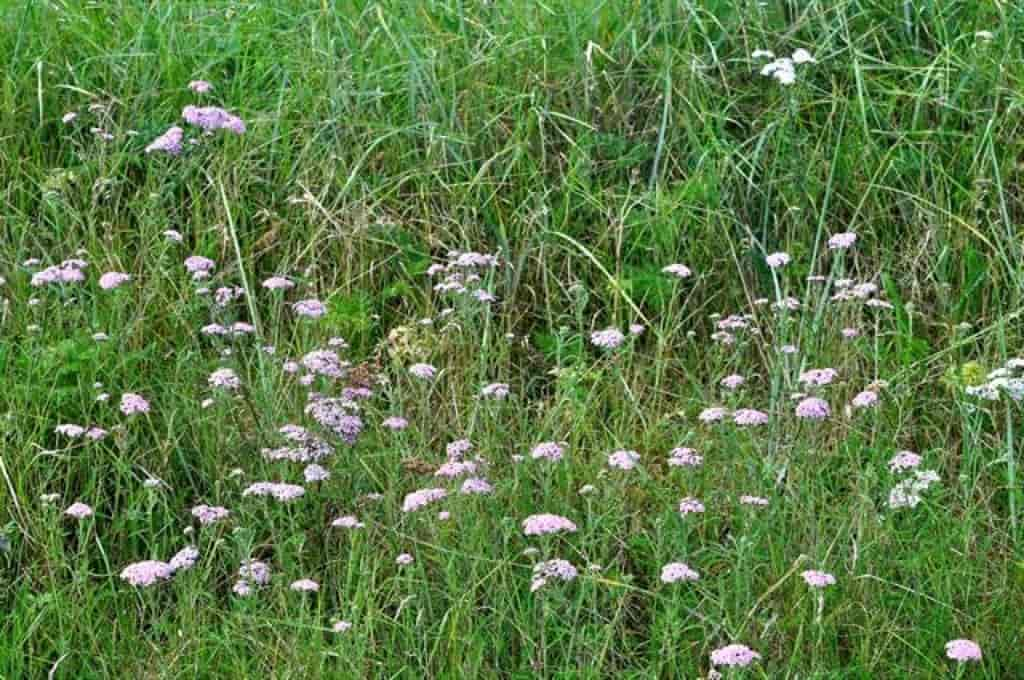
x,y
544,524
496,391
133,404
777,260
818,579
184,559
210,514
197,264
277,490
689,506
225,379
683,456
732,382
904,460
678,571
200,86
623,460
756,501
146,573
315,473
255,571
865,399
712,414
557,569
277,283
78,510
963,650
423,371
347,522
749,417
404,559
211,118
818,377
311,308
168,143
734,655
476,486
70,430
422,498
842,241
552,451
813,408
305,585
609,338
112,280
395,423
680,271
341,626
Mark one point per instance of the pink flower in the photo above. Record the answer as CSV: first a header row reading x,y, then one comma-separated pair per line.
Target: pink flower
x,y
623,460
850,333
341,626
315,473
818,377
749,417
680,271
712,415
963,650
225,379
78,510
70,430
395,423
609,338
754,500
169,142
210,514
278,283
543,572
734,655
279,491
904,460
813,408
543,524
458,448
68,117
690,505
422,498
552,451
200,86
423,371
199,265
112,280
731,382
213,118
677,571
184,559
132,404
305,585
636,329
495,391
842,241
475,485
347,522
313,309
776,260
684,457
818,579
255,571
404,559
146,573
865,399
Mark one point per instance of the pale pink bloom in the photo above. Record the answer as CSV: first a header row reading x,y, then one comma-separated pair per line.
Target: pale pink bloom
x,y
865,399
278,490
200,86
636,329
458,448
690,505
818,377
70,430
112,280
552,451
68,117
963,650
749,417
224,378
684,457
788,349
842,241
172,235
754,500
680,271
347,522
78,510
146,573
559,569
712,415
184,559
315,473
475,485
313,309
609,338
904,460
278,283
813,408
540,525
341,626
209,514
422,498
423,371
242,589
395,423
169,142
213,118
776,260
197,264
404,559
623,460
850,333
678,571
731,382
734,655
456,468
255,571
305,585
132,404
818,579
495,391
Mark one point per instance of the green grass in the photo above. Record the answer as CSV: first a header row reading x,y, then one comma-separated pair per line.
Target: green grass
x,y
590,144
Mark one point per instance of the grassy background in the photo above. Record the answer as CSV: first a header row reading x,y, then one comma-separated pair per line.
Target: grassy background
x,y
591,143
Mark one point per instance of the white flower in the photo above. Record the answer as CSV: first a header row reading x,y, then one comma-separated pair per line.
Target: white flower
x,y
802,56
